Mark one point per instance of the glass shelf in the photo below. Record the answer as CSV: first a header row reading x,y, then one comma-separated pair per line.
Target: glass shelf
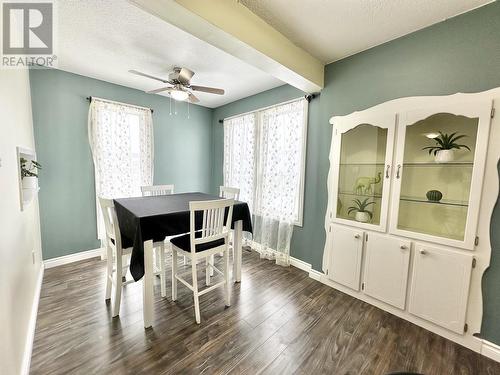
x,y
360,164
442,202
434,164
374,196
416,164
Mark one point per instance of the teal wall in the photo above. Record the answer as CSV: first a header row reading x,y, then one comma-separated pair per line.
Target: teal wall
x,y
182,152
459,55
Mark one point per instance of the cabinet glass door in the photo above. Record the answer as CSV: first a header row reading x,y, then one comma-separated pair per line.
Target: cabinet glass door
x,y
363,180
435,175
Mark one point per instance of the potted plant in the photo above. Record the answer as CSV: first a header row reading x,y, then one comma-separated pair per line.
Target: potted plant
x,y
360,208
29,173
445,145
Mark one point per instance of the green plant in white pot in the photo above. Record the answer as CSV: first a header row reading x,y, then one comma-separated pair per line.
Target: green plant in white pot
x,y
446,144
29,173
360,208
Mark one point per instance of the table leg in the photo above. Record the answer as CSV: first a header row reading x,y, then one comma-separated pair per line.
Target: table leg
x,y
237,251
147,284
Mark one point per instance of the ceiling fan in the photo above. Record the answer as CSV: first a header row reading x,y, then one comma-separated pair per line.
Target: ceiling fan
x,y
180,80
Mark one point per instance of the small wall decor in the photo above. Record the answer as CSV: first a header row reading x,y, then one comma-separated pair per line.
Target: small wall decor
x,y
28,175
434,195
360,208
445,145
363,185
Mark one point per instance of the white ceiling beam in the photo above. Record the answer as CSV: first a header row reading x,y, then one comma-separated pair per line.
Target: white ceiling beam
x,y
231,27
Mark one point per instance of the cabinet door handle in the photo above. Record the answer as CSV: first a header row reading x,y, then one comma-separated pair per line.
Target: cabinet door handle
x,y
403,247
398,174
423,252
357,236
387,171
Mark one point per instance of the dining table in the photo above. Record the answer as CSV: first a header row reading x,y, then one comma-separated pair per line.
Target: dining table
x,y
145,220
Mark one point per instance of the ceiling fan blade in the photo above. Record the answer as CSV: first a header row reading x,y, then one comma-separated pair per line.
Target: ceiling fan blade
x,y
159,90
148,76
185,75
210,90
193,99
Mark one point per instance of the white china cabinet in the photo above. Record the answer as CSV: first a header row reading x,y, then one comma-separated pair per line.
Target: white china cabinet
x,y
404,198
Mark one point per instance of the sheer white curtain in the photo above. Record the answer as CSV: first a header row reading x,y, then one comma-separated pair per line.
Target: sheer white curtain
x,y
239,155
264,156
121,140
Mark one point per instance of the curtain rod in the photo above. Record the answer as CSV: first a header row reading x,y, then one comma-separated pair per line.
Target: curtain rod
x,y
89,98
307,97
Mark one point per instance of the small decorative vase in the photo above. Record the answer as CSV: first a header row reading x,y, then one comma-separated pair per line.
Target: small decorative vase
x,y
434,195
444,156
30,183
362,217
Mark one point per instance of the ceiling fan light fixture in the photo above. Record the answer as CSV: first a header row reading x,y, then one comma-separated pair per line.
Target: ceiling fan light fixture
x,y
179,95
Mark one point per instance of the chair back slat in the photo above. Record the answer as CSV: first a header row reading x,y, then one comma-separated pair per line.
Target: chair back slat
x,y
212,223
155,190
229,192
204,224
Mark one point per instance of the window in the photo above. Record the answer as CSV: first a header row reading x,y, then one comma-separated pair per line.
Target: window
x,y
264,156
121,139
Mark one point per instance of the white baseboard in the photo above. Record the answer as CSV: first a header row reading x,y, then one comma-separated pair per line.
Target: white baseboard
x,y
28,346
54,262
490,350
300,264
316,275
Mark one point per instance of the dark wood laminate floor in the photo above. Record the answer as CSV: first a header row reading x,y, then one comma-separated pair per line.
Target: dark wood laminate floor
x,y
280,322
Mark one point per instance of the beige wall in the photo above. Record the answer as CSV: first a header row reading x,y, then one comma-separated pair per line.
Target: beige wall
x,y
19,230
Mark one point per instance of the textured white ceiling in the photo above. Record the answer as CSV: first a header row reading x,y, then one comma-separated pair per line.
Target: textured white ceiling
x,y
333,29
103,39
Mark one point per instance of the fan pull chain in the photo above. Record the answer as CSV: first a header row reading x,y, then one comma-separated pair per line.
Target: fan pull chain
x,y
175,107
188,109
170,106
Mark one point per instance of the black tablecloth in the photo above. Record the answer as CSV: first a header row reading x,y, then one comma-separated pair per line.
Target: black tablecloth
x,y
154,218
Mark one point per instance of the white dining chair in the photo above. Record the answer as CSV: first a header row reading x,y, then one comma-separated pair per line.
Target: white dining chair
x,y
153,190
116,266
201,244
229,192
159,246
